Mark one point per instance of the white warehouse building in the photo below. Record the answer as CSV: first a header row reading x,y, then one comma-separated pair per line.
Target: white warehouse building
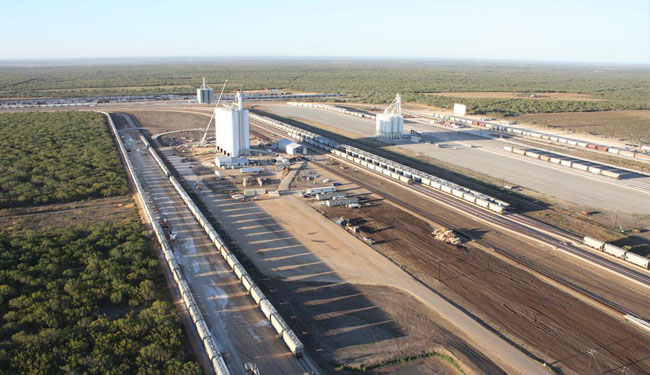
x,y
294,149
232,128
390,124
205,93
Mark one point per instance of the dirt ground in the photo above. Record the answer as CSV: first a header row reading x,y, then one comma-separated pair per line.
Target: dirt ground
x,y
74,215
553,325
387,323
160,121
346,320
629,126
520,95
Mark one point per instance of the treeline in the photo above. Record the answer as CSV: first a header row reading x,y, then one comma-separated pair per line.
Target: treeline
x,y
367,81
514,107
57,157
87,302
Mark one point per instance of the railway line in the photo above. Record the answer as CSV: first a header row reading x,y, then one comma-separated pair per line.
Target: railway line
x,y
516,223
520,224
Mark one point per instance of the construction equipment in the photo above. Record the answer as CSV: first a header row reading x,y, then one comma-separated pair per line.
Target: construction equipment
x,y
447,235
202,143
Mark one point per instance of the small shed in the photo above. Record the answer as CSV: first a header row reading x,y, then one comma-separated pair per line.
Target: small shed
x,y
296,149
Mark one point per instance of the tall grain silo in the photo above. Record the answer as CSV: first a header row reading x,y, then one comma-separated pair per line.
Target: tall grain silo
x,y
205,93
232,129
390,124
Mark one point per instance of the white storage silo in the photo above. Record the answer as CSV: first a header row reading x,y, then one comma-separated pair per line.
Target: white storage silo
x,y
232,129
390,124
205,93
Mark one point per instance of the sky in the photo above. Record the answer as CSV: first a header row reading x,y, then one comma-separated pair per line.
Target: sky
x,y
613,31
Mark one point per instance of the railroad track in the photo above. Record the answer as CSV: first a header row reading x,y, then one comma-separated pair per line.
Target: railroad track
x,y
522,225
497,220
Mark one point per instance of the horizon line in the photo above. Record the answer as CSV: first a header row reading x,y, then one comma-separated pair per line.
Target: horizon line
x,y
139,59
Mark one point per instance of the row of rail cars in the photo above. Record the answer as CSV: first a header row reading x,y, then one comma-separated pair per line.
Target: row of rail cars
x,y
387,167
549,137
282,328
618,252
644,155
209,344
333,109
557,159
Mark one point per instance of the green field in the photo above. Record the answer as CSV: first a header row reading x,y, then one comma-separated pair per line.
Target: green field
x,y
620,87
57,157
87,302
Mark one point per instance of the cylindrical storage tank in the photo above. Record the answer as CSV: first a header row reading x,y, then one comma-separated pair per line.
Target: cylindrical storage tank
x,y
593,242
614,250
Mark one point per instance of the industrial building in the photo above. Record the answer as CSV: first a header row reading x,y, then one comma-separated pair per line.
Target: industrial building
x,y
390,124
205,93
232,128
282,144
296,149
230,162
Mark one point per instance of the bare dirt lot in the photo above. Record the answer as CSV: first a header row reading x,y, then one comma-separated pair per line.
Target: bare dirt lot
x,y
344,315
553,325
520,95
160,122
632,126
